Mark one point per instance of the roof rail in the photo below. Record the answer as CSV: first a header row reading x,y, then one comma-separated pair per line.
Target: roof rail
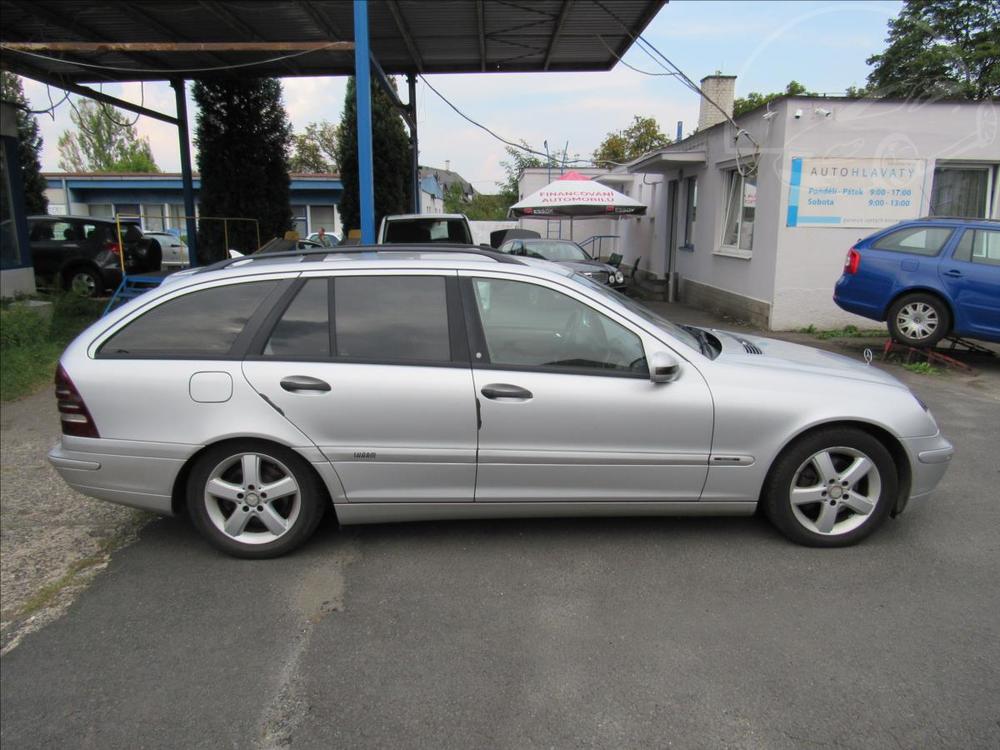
x,y
955,218
361,249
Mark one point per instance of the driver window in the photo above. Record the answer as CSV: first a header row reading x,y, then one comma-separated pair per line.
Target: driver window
x,y
526,325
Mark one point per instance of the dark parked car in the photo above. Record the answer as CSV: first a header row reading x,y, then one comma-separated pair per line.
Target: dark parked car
x,y
84,253
927,278
569,254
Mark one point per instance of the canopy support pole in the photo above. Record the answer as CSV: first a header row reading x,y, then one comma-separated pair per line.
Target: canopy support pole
x,y
411,83
187,179
363,98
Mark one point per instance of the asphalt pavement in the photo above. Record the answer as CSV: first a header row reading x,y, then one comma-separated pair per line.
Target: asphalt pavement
x,y
684,633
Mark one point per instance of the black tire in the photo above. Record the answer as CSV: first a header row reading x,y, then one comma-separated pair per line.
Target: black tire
x,y
148,256
211,513
919,320
82,280
803,521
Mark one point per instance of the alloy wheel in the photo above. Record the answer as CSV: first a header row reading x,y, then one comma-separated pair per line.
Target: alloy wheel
x,y
252,498
83,283
835,491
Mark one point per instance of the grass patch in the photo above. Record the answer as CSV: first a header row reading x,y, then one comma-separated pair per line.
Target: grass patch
x,y
922,368
847,332
30,344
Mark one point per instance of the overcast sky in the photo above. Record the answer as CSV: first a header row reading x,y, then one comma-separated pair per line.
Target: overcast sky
x,y
823,45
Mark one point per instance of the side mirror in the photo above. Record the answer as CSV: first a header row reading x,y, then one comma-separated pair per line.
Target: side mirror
x,y
663,367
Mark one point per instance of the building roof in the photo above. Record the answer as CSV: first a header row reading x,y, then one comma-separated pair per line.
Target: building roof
x,y
446,178
406,36
171,175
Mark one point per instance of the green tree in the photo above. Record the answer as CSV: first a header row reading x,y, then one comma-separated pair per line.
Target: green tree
x,y
517,161
940,48
315,150
751,101
390,158
103,142
243,138
621,146
29,145
454,201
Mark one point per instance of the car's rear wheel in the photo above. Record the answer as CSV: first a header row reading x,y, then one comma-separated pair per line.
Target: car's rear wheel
x,y
83,281
831,488
254,499
919,320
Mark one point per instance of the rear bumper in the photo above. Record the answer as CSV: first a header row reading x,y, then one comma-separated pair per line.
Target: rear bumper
x,y
140,475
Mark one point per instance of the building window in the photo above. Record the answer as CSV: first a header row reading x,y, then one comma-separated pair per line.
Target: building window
x,y
101,210
127,211
300,225
741,207
960,190
690,210
152,217
324,217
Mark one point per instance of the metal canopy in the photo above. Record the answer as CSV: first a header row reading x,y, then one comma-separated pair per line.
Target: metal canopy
x,y
406,36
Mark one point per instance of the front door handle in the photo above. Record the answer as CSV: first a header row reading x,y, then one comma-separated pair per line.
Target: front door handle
x,y
505,390
953,273
294,383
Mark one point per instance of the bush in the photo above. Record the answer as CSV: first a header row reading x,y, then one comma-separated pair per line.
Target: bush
x,y
21,327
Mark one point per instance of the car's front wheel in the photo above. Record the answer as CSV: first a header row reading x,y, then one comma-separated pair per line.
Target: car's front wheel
x,y
254,499
831,488
918,320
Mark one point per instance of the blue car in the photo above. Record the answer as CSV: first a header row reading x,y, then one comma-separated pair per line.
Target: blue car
x,y
927,278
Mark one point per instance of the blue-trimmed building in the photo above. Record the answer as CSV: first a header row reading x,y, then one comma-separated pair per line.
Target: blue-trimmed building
x,y
158,198
16,273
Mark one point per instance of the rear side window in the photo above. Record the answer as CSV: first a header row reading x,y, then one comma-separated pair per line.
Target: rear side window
x,y
979,246
304,330
204,323
916,240
391,318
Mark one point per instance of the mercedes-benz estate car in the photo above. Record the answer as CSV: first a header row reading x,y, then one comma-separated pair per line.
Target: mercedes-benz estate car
x,y
410,383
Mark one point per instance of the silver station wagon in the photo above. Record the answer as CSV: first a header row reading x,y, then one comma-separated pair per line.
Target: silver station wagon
x,y
413,383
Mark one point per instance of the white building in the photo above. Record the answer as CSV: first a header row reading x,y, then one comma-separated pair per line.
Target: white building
x,y
758,226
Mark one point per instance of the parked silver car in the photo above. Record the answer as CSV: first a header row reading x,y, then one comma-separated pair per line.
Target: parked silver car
x,y
411,383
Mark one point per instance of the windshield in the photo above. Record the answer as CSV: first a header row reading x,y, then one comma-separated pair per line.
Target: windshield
x,y
642,311
557,251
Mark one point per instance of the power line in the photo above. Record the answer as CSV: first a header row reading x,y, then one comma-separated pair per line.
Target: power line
x,y
168,72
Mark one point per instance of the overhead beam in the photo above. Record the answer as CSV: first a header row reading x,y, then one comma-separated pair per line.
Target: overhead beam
x,y
75,26
404,31
97,47
560,21
75,88
481,26
147,19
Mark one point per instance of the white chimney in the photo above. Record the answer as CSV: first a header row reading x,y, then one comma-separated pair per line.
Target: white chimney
x,y
721,90
447,162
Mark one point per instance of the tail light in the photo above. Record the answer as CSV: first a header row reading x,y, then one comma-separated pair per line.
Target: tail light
x,y
113,247
852,262
73,413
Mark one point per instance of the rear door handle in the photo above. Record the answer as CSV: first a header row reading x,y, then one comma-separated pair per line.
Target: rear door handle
x,y
505,390
953,273
295,383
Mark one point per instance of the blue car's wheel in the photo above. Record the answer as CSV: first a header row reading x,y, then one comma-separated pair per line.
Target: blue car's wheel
x,y
918,320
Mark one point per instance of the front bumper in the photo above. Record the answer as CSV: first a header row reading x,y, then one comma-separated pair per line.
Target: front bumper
x,y
929,460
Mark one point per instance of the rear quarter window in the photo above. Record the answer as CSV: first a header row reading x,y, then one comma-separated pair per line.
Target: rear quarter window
x,y
201,324
979,246
926,241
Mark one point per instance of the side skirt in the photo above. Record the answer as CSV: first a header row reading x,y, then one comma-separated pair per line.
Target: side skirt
x,y
358,513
